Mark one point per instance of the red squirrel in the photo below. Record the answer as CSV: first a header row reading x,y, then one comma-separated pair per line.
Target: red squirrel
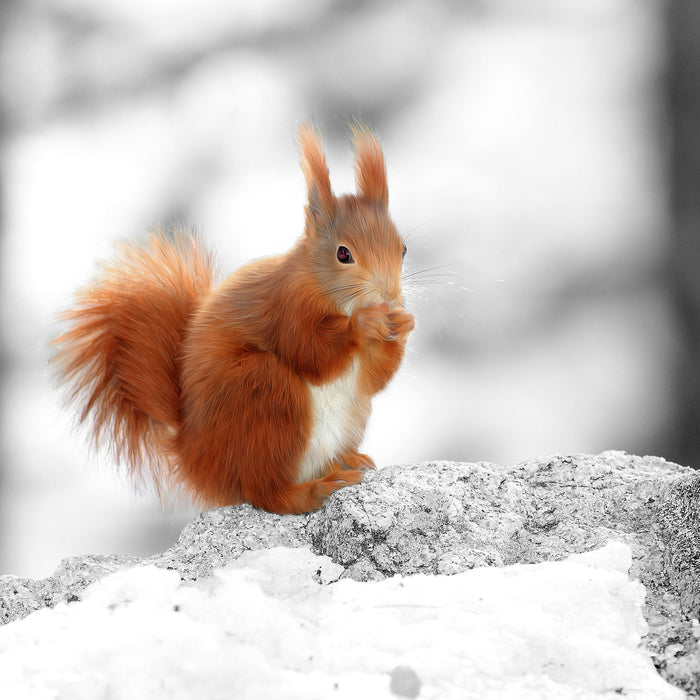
x,y
256,390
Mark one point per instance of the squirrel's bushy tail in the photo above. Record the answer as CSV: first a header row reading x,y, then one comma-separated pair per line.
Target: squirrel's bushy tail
x,y
119,357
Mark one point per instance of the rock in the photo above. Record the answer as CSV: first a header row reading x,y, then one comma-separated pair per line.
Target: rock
x,y
219,536
444,518
678,517
21,596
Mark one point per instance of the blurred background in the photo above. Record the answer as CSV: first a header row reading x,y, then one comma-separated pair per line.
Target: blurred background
x,y
543,165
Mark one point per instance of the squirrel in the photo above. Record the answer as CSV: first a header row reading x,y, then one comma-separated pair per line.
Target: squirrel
x,y
257,389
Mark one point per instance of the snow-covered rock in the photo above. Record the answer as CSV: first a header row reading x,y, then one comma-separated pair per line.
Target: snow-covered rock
x,y
562,577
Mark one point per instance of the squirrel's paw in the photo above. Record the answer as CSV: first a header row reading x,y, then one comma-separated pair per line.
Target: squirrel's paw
x,y
356,460
338,477
401,322
380,323
311,495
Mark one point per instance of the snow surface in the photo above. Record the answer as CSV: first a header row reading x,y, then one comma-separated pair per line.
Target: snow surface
x,y
267,627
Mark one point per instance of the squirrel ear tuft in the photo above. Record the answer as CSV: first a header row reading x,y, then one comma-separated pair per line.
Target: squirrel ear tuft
x,y
321,202
370,170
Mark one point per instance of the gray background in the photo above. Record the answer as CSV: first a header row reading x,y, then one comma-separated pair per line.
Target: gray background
x,y
528,145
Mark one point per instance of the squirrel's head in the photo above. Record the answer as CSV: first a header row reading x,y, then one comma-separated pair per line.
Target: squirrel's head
x,y
355,249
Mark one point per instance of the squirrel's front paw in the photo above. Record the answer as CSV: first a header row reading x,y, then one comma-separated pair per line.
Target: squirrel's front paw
x,y
379,323
373,323
400,322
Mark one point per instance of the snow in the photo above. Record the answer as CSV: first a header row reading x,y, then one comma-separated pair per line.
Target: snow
x,y
268,627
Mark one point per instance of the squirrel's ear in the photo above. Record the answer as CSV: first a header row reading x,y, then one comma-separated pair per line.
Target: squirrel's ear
x,y
370,170
321,202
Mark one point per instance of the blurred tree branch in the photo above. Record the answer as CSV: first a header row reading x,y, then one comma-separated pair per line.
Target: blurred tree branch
x,y
684,111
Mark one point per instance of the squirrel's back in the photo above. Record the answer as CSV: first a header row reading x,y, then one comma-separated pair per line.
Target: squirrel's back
x,y
120,355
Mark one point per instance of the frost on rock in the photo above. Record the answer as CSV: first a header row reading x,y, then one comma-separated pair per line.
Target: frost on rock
x,y
263,627
408,548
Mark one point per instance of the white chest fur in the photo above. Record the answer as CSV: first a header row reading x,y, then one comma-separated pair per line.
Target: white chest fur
x,y
339,416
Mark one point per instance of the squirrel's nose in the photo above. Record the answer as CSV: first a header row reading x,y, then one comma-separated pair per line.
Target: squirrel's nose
x,y
393,297
389,288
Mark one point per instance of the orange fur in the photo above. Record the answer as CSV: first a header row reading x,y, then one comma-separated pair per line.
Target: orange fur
x,y
233,392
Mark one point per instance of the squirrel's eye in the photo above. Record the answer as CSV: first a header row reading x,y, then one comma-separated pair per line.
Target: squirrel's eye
x,y
344,255
403,255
